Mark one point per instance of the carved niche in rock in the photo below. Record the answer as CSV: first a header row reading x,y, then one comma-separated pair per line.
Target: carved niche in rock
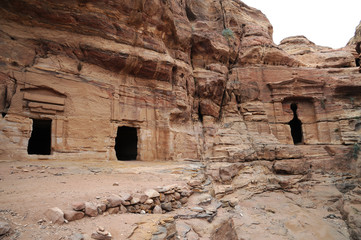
x,y
296,87
126,106
43,100
295,110
300,115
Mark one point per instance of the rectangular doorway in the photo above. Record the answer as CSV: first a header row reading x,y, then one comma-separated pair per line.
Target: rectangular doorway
x,y
40,140
126,143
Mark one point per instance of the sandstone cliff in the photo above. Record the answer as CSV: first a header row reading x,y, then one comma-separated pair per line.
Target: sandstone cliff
x,y
315,56
189,80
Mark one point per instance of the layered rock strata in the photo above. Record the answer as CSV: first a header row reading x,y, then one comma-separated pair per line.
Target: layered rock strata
x,y
171,80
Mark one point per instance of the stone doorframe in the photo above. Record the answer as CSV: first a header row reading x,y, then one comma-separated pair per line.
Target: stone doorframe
x,y
309,97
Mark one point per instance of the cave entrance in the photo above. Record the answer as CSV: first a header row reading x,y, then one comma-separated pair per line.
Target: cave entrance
x,y
126,143
296,126
40,139
357,61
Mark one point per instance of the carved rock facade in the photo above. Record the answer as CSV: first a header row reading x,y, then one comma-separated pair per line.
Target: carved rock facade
x,y
180,79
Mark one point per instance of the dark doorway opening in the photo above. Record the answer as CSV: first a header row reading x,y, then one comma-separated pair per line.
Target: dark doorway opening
x,y
357,61
296,126
40,140
126,143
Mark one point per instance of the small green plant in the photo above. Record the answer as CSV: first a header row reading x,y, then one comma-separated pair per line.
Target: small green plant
x,y
355,150
352,100
337,130
227,33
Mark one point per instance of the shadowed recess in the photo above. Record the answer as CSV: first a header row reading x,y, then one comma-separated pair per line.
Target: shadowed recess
x,y
40,140
126,143
296,126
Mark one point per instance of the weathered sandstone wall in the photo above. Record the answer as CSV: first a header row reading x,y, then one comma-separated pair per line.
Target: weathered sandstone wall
x,y
197,79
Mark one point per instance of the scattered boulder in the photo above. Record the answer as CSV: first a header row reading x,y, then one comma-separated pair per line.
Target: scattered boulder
x,y
166,206
225,230
114,201
166,188
204,199
4,228
151,193
157,210
134,200
55,215
131,209
149,201
113,210
233,202
197,181
171,197
197,209
126,196
102,207
101,234
183,200
176,204
91,209
186,192
177,196
122,209
78,206
228,172
71,215
143,198
161,197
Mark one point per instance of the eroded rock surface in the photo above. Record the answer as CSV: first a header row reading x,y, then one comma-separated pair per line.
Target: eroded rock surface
x,y
196,80
315,56
187,80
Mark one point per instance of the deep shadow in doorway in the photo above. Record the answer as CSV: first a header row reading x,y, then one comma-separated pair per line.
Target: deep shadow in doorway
x,y
40,140
296,126
126,143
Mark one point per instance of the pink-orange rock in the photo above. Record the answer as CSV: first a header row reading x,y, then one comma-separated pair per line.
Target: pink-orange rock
x,y
312,55
192,79
91,209
113,210
73,215
55,215
78,206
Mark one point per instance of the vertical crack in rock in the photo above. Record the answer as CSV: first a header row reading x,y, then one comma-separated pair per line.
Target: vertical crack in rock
x,y
228,66
230,63
6,93
224,19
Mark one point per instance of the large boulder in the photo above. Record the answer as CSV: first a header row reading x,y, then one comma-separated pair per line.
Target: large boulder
x,y
55,215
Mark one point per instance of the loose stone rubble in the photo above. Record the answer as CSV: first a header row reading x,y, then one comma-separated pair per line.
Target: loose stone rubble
x,y
275,130
101,234
157,201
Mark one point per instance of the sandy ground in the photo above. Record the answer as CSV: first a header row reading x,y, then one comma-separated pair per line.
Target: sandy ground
x,y
29,188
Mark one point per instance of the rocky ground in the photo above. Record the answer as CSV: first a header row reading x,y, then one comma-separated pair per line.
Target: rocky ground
x,y
229,201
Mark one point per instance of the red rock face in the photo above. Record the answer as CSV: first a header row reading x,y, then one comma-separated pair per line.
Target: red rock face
x,y
194,79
